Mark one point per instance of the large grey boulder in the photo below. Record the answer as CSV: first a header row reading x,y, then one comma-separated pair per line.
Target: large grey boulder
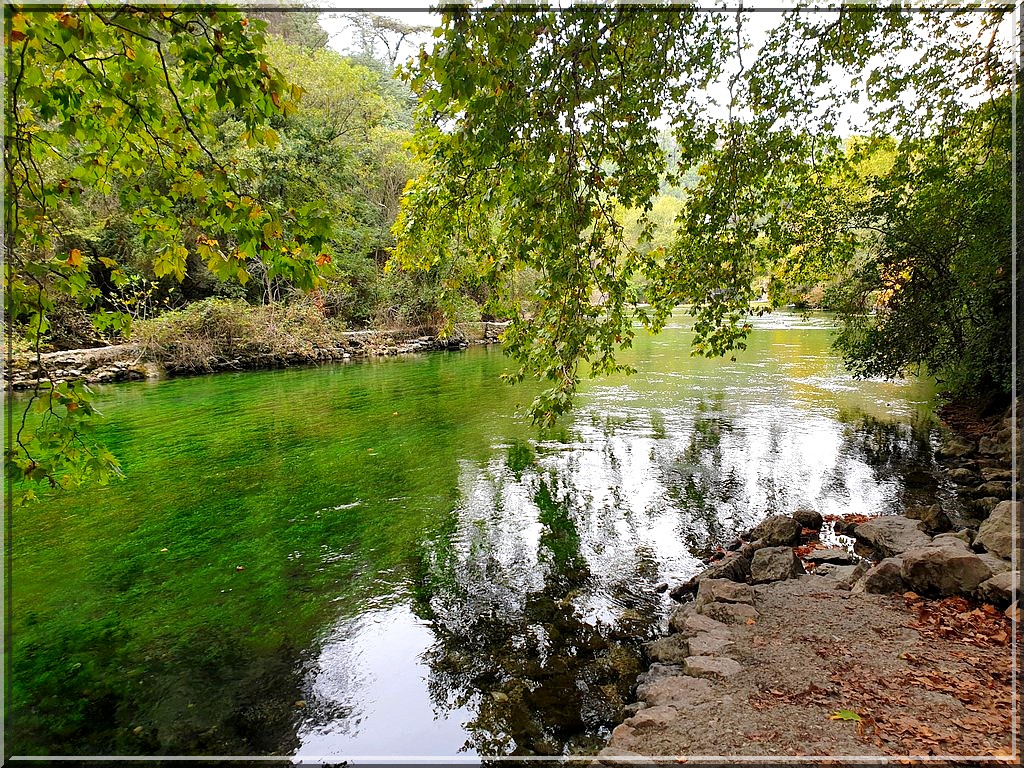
x,y
944,569
999,589
776,531
845,576
883,578
775,564
996,534
889,536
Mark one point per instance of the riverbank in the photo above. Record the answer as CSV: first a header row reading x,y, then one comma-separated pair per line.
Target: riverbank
x,y
792,645
140,360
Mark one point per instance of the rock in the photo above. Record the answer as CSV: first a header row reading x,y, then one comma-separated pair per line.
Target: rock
x,y
844,575
662,587
845,527
690,624
668,650
999,589
996,533
709,644
994,446
995,473
836,555
734,567
963,534
962,476
777,530
932,517
775,564
730,613
748,549
652,717
954,449
1013,612
723,591
943,570
995,563
889,536
708,666
883,579
676,690
808,518
997,489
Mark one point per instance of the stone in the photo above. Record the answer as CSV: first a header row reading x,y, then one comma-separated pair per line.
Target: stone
x,y
996,534
932,517
940,571
775,564
995,563
883,579
995,473
994,446
844,575
692,624
777,530
963,534
962,476
954,449
677,691
723,591
748,549
734,567
835,555
709,666
889,536
668,650
808,518
652,717
994,488
709,644
730,613
999,589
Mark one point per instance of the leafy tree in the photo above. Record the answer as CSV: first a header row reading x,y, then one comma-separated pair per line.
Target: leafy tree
x,y
933,285
119,103
537,126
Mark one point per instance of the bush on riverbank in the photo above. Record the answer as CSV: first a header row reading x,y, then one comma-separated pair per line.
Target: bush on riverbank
x,y
205,335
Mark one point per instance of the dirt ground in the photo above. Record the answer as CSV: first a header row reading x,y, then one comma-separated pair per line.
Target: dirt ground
x,y
823,671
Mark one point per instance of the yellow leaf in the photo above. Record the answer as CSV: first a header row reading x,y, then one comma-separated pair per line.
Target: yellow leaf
x,y
107,262
130,53
75,259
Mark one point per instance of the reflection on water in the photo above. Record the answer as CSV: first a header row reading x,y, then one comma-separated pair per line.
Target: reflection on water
x,y
424,574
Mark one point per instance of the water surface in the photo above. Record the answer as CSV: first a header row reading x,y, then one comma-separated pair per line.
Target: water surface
x,y
383,559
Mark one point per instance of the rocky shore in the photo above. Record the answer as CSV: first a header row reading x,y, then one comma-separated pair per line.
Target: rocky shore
x,y
792,644
133,362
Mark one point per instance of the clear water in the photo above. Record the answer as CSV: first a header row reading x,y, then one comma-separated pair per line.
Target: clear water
x,y
382,559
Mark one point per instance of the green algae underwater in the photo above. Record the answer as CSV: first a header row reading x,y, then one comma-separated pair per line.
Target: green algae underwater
x,y
384,559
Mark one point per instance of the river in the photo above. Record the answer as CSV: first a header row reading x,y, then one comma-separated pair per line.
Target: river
x,y
384,559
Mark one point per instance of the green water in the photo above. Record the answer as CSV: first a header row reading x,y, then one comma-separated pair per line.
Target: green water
x,y
382,559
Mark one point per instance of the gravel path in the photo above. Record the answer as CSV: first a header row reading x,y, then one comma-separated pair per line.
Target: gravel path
x,y
924,677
